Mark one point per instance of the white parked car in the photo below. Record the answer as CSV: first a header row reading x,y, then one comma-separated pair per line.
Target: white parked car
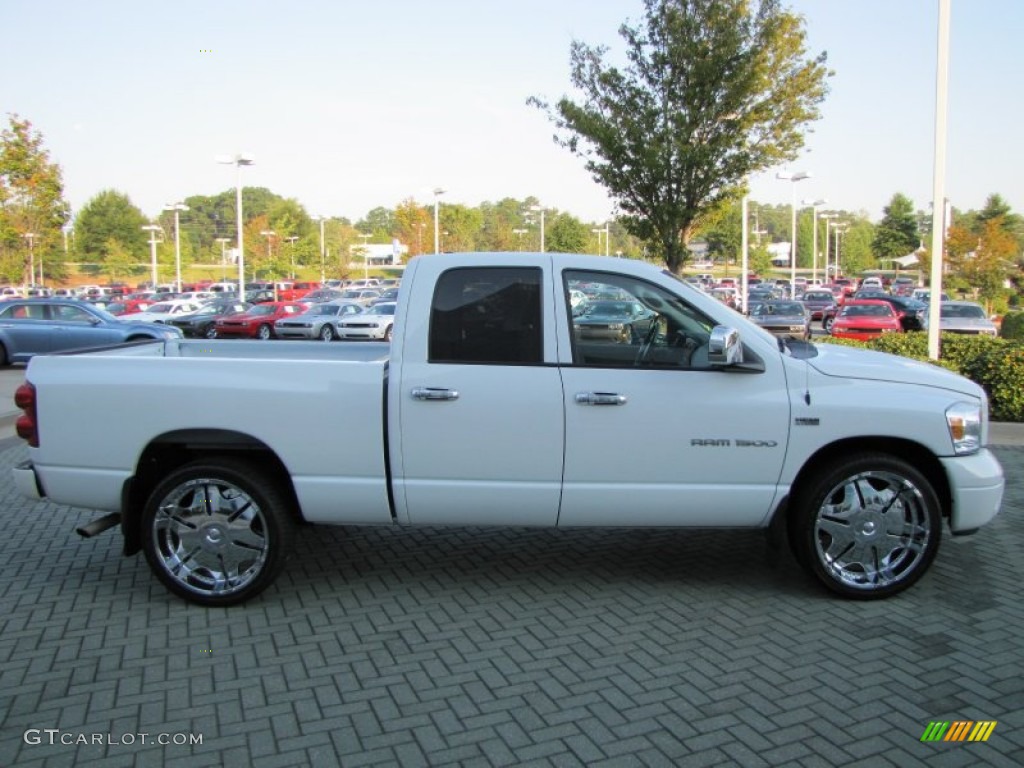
x,y
163,311
375,323
965,317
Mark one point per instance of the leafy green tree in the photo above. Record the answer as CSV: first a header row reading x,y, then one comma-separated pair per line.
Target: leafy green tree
x,y
119,262
713,91
856,253
567,234
379,223
31,201
897,233
413,222
462,225
110,216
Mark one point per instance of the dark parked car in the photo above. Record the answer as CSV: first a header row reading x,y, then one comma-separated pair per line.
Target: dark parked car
x,y
818,302
203,324
789,319
621,321
38,326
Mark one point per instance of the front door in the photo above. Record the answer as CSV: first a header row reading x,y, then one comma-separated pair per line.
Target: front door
x,y
654,435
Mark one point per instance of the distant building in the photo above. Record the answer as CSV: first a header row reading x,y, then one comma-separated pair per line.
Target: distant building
x,y
378,254
779,253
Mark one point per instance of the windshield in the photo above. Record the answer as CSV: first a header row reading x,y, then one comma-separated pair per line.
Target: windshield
x,y
866,310
787,308
263,309
969,311
610,309
817,296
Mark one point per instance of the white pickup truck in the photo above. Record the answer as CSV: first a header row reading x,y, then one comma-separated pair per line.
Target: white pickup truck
x,y
500,403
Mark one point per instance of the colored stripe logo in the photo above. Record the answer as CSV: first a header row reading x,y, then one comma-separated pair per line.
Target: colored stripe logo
x,y
959,730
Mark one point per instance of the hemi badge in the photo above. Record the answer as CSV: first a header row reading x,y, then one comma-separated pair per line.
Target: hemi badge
x,y
806,421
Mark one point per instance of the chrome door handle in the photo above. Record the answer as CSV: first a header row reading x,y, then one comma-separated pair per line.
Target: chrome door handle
x,y
600,398
434,393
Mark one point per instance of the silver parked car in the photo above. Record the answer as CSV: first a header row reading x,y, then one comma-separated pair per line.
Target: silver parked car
x,y
318,322
39,326
963,317
376,323
790,319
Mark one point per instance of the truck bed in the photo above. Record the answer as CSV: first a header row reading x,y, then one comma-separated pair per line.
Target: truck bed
x,y
324,418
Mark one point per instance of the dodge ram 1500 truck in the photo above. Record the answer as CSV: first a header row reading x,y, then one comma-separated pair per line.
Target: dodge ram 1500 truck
x,y
500,403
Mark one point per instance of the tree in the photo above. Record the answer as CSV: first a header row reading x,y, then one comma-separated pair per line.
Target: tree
x,y
714,90
110,216
896,234
413,221
566,234
31,201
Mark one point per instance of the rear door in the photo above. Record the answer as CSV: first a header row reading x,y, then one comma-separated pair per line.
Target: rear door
x,y
480,425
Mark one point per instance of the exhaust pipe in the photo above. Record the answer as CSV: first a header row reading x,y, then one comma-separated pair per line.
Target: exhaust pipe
x,y
99,525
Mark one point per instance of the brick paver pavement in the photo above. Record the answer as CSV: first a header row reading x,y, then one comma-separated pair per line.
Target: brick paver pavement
x,y
505,647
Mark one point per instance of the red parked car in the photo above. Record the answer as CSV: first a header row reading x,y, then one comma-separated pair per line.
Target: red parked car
x,y
865,319
258,321
298,290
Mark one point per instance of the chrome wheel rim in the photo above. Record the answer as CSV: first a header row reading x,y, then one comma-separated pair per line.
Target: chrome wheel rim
x,y
326,334
872,530
210,536
264,332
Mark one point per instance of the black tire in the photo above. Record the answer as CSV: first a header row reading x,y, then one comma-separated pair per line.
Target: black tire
x,y
866,526
217,532
264,332
4,361
209,332
326,333
387,332
826,324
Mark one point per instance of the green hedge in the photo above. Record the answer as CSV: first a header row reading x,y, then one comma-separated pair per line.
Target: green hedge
x,y
997,364
1013,326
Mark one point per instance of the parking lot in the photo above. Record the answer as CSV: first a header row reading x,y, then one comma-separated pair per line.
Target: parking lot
x,y
504,647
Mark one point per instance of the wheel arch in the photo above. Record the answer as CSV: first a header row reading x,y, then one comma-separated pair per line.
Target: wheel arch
x,y
171,450
916,454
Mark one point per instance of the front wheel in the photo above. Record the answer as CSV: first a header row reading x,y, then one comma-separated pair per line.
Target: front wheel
x,y
264,332
866,526
326,333
826,325
210,332
387,333
216,532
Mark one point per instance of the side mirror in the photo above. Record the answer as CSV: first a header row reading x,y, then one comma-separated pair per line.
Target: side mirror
x,y
724,348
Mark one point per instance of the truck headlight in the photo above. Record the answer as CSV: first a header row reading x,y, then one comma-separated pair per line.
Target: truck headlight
x,y
964,422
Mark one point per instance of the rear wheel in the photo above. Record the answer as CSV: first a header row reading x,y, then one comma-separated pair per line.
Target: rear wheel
x,y
4,361
217,532
866,526
210,331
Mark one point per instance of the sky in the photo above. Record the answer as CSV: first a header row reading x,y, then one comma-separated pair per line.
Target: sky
x,y
348,105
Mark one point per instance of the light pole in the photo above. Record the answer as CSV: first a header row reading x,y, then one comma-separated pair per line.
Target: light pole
x,y
269,234
814,206
323,253
224,259
520,233
437,236
31,237
238,161
540,208
177,208
793,178
291,239
152,229
366,252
